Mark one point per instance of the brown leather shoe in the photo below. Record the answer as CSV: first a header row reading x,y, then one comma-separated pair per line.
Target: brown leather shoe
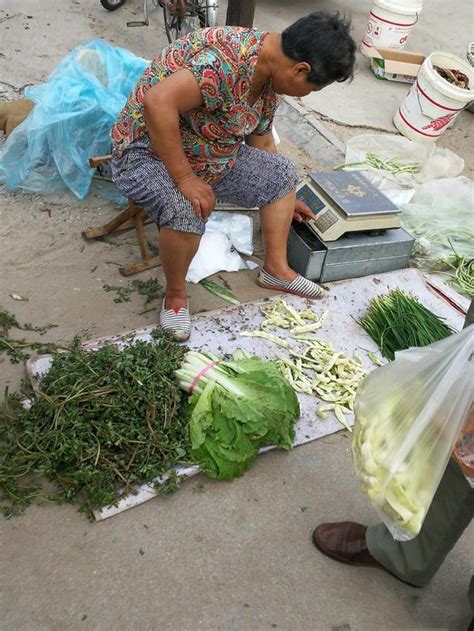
x,y
345,542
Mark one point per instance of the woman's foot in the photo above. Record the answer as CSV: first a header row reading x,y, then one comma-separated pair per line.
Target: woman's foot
x,y
291,282
175,318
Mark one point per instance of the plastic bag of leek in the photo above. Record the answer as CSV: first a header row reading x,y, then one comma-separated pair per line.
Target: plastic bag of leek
x,y
408,415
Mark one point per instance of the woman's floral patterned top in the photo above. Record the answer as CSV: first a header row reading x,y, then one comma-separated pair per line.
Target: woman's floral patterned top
x,y
223,61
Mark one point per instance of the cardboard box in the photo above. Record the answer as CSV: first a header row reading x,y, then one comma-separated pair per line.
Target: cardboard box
x,y
396,65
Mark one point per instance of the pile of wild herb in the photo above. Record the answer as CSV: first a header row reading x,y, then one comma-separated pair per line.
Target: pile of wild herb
x,y
15,348
101,422
150,289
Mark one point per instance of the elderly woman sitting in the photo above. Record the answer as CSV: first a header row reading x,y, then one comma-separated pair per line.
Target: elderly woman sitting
x,y
197,127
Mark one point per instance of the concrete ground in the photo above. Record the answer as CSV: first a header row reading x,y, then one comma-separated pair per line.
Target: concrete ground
x,y
213,556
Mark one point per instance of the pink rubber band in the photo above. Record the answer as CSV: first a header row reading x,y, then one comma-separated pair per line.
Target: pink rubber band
x,y
201,374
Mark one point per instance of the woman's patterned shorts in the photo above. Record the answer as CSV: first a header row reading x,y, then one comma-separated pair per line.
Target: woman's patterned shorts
x,y
257,178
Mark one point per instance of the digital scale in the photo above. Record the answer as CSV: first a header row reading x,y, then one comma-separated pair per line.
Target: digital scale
x,y
346,202
355,231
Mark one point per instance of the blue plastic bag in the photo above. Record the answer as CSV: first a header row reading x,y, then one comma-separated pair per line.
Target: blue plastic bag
x,y
71,121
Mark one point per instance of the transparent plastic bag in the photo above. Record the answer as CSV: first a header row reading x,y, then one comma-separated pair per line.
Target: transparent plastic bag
x,y
436,162
71,121
409,414
440,216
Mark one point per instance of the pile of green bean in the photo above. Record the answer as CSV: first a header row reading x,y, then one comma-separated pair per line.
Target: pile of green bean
x,y
463,275
398,321
392,165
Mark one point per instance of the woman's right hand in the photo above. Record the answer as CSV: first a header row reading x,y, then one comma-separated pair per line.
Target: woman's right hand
x,y
199,193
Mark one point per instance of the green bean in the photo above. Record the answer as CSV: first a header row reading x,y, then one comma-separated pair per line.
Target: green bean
x,y
392,165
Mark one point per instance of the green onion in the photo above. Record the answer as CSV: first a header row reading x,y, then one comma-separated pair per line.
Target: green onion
x,y
398,321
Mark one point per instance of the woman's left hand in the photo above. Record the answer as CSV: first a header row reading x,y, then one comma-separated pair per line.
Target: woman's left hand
x,y
302,212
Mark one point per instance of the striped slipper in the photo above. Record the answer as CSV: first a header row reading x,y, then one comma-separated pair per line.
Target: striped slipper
x,y
177,322
299,286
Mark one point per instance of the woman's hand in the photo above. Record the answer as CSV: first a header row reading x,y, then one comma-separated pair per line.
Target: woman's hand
x,y
199,193
302,212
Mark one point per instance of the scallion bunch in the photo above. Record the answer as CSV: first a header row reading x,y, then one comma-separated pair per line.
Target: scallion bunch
x,y
399,321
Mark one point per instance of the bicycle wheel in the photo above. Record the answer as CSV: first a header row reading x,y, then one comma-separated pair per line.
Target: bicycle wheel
x,y
181,21
111,5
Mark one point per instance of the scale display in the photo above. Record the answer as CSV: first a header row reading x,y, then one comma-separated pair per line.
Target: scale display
x,y
309,197
346,202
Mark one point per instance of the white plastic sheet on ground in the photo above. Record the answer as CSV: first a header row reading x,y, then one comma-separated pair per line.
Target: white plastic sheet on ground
x,y
436,162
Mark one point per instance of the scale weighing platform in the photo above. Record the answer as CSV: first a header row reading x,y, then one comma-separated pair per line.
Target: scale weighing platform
x,y
355,231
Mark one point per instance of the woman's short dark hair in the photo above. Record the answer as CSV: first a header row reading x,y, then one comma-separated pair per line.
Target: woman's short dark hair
x,y
323,41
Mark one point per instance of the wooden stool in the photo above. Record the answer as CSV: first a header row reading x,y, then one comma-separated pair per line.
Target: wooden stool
x,y
132,217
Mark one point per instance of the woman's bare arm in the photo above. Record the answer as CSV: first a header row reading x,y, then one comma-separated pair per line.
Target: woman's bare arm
x,y
163,104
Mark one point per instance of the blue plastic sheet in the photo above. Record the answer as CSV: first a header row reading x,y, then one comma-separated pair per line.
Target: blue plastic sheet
x,y
71,121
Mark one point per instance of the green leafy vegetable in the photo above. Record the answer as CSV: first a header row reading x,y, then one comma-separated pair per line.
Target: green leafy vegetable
x,y
220,292
238,407
100,423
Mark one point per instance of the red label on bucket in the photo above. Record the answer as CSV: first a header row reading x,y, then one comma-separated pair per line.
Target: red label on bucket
x,y
439,123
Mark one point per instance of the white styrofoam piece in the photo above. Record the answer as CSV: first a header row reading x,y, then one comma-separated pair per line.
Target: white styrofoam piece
x,y
219,332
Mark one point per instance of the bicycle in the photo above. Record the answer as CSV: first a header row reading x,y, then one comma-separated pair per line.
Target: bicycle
x,y
180,16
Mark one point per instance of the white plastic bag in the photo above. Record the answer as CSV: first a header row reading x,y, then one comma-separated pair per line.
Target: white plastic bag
x,y
237,227
436,162
409,414
215,254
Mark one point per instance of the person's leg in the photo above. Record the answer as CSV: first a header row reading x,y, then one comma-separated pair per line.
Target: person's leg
x,y
267,181
144,179
275,221
470,596
418,560
177,250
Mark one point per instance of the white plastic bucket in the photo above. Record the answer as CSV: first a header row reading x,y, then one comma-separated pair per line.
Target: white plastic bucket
x,y
389,24
433,103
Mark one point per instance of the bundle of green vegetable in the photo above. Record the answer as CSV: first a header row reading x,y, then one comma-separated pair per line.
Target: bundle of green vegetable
x,y
398,321
238,406
100,423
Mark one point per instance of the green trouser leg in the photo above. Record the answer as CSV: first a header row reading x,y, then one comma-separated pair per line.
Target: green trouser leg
x,y
471,595
418,560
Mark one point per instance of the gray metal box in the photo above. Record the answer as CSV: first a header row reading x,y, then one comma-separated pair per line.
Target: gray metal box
x,y
354,254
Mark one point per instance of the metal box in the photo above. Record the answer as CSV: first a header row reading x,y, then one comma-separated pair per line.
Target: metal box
x,y
352,255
